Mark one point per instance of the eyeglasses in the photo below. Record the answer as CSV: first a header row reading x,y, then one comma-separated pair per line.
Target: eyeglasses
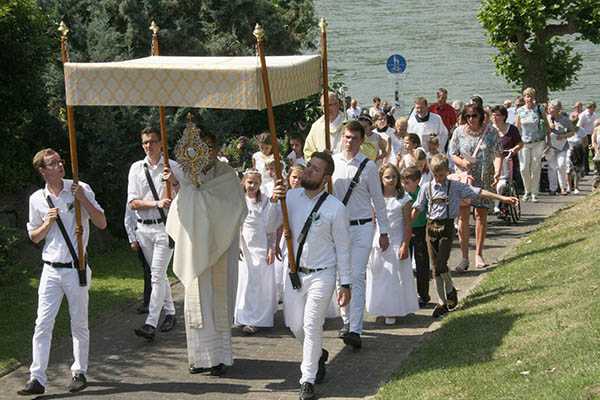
x,y
54,163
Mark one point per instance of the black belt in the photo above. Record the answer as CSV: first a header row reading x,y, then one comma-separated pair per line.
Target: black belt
x,y
442,221
360,221
58,265
310,270
150,221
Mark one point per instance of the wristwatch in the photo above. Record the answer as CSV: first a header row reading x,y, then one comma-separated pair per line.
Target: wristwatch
x,y
346,286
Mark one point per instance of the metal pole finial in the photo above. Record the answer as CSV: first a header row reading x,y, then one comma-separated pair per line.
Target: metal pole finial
x,y
154,27
259,32
63,29
323,24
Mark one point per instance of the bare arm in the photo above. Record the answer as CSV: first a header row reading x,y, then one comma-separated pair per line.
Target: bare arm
x,y
38,234
96,215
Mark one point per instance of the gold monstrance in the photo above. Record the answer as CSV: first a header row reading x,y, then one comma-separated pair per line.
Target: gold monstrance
x,y
192,152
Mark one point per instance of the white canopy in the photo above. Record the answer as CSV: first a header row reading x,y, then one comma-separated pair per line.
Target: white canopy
x,y
203,82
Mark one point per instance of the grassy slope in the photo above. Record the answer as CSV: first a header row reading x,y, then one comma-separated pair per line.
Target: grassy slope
x,y
116,281
530,331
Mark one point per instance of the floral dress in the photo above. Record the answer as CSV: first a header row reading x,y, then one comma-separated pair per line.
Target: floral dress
x,y
482,170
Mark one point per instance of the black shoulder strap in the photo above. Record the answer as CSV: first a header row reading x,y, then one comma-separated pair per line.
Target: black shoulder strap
x,y
306,227
448,199
355,180
154,193
67,239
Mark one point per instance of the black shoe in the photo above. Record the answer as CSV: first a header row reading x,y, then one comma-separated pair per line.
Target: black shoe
x,y
198,370
353,339
142,309
78,383
32,387
168,323
344,331
146,331
307,391
322,369
439,310
452,297
423,302
218,370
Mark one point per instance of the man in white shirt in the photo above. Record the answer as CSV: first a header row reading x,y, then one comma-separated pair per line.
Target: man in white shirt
x,y
354,110
325,252
360,200
315,141
60,275
586,122
424,123
150,212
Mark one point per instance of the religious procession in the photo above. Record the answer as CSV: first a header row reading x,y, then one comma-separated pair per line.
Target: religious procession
x,y
353,219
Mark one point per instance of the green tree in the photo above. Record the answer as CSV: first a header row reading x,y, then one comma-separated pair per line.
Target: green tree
x,y
23,109
533,36
111,30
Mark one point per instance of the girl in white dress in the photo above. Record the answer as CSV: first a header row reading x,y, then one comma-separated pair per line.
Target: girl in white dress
x,y
412,144
281,250
255,302
391,289
261,158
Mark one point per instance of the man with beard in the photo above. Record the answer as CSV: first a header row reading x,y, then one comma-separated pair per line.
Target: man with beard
x,y
325,251
424,123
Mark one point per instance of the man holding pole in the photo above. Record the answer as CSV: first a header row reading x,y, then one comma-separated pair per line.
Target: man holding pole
x,y
52,219
319,229
315,141
147,198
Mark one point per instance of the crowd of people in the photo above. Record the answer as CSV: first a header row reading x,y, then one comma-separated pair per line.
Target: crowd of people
x,y
371,221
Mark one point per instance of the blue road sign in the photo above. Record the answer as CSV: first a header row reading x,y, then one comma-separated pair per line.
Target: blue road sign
x,y
396,64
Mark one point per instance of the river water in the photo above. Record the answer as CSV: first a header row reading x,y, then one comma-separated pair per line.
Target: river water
x,y
443,43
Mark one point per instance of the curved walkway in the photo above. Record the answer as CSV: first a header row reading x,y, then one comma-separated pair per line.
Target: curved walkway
x,y
267,365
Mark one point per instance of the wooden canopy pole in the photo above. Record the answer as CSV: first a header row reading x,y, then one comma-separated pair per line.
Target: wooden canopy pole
x,y
155,51
81,258
259,33
326,116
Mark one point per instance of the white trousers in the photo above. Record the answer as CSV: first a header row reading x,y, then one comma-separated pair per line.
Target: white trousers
x,y
305,311
154,243
530,164
54,283
557,169
362,243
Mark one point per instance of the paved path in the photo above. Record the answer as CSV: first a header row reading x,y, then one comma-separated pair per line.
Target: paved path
x,y
267,365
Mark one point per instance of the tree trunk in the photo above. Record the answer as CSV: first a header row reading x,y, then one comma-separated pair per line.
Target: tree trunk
x,y
535,77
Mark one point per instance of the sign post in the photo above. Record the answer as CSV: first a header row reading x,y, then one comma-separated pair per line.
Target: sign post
x,y
396,65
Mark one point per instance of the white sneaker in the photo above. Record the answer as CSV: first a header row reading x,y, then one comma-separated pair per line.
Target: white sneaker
x,y
390,320
534,198
496,210
525,197
576,191
462,266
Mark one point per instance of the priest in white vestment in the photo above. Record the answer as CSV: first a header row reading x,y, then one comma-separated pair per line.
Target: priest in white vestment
x,y
204,221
